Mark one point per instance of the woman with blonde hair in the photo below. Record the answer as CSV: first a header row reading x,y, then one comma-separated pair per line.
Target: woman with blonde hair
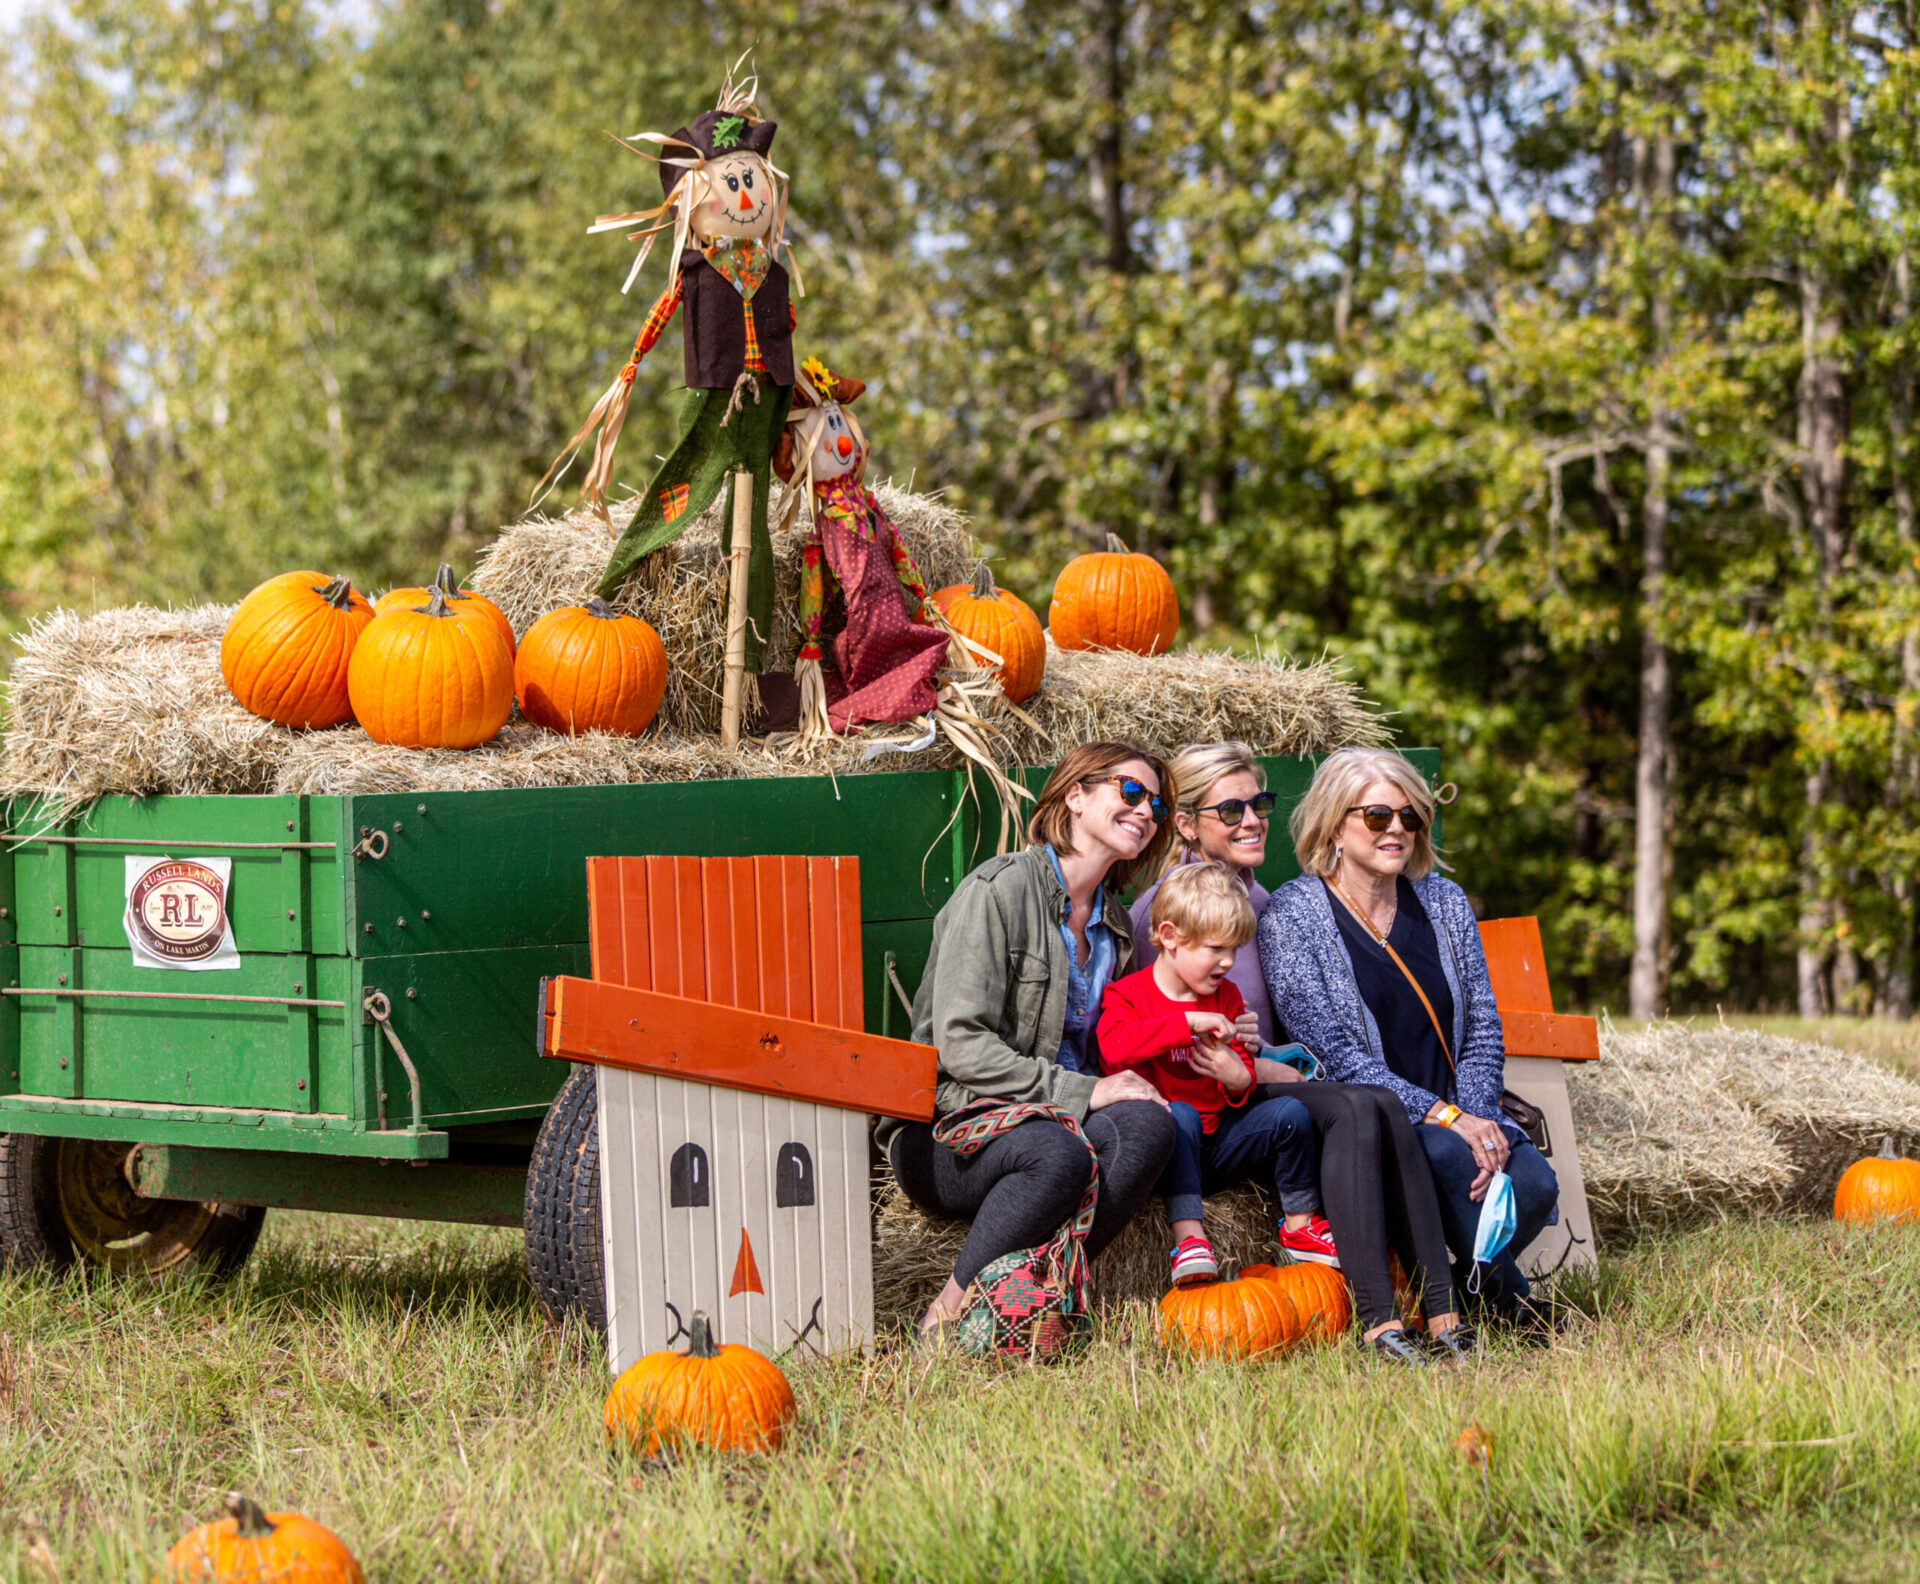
x,y
1048,1158
1374,1193
1374,962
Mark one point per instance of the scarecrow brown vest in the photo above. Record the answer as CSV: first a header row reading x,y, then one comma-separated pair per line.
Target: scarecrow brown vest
x,y
713,330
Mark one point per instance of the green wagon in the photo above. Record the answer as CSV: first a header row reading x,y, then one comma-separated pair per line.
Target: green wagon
x,y
374,1052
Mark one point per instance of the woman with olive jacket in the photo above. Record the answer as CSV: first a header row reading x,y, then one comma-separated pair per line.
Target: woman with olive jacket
x,y
1011,998
1327,943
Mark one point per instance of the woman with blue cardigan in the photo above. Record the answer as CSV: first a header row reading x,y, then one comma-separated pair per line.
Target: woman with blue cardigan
x,y
1374,963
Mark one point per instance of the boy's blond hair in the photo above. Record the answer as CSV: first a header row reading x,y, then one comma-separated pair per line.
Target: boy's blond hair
x,y
1204,902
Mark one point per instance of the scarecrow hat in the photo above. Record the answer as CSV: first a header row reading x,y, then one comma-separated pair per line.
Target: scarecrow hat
x,y
716,132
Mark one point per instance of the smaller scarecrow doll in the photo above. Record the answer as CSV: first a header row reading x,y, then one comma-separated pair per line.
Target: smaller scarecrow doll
x,y
726,210
859,588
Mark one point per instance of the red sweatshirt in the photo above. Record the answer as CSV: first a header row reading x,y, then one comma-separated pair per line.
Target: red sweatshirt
x,y
1141,1026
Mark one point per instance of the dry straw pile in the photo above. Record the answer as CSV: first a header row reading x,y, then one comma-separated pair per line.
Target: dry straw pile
x,y
131,700
1674,1124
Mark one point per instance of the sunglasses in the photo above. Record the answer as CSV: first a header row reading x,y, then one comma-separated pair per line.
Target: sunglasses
x,y
1132,793
1233,810
1377,817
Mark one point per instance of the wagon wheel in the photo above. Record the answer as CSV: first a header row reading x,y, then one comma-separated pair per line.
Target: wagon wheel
x,y
68,1201
563,1206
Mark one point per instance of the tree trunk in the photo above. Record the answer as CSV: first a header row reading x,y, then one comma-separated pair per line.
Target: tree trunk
x,y
1903,780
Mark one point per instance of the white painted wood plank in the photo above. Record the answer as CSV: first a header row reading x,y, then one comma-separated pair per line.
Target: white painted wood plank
x,y
1542,1081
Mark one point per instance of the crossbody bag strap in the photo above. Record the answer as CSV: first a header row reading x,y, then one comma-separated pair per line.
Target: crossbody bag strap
x,y
1386,946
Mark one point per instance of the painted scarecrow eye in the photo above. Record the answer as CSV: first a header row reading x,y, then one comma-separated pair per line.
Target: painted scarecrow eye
x,y
792,1177
688,1179
733,184
748,179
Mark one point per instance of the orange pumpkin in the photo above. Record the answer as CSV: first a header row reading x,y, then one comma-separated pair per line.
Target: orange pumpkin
x,y
1003,623
726,1397
255,1547
285,652
1229,1319
1880,1188
1318,1294
585,668
1114,599
438,677
401,598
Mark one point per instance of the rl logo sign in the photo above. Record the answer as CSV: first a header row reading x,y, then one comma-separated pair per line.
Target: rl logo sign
x,y
177,913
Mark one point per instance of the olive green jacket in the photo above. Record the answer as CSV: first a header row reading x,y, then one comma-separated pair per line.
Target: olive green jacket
x,y
993,999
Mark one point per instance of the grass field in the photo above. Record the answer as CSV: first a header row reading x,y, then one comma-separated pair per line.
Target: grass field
x,y
1744,1402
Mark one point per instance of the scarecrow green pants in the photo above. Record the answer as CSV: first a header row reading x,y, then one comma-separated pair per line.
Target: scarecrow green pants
x,y
713,446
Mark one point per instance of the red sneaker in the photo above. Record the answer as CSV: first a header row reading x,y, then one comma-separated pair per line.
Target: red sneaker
x,y
1312,1243
1193,1262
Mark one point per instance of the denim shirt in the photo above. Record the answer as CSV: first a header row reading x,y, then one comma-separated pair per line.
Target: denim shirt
x,y
1085,986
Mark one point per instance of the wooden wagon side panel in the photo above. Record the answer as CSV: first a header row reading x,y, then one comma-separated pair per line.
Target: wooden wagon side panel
x,y
750,1207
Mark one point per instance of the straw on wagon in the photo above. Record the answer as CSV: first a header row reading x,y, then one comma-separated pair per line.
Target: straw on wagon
x,y
131,700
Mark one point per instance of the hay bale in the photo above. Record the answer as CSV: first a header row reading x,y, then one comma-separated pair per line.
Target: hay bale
x,y
131,700
913,1253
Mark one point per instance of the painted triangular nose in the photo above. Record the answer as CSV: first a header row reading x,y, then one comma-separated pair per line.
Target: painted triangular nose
x,y
746,200
746,1274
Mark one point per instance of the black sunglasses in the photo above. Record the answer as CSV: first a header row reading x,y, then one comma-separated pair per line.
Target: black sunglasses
x,y
1131,794
1377,817
1233,810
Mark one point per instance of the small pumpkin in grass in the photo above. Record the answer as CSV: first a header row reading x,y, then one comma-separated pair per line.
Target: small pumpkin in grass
x,y
1880,1188
1002,622
727,1397
437,677
1114,599
587,668
1318,1293
1229,1319
402,598
250,1546
285,652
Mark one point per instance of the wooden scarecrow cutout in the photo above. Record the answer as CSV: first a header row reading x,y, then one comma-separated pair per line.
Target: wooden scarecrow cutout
x,y
857,577
726,210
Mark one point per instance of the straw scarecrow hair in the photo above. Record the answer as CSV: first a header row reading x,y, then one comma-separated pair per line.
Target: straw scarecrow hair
x,y
695,184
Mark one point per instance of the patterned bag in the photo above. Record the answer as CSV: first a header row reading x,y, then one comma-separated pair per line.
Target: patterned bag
x,y
1030,1305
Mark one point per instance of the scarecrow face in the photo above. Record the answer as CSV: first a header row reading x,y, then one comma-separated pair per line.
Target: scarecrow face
x,y
739,202
835,452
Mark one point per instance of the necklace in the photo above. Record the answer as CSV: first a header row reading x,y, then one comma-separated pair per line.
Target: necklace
x,y
1393,910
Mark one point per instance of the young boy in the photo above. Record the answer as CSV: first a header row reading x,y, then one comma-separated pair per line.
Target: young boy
x,y
1174,1022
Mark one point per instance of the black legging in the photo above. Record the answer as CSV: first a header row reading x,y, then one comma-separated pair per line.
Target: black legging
x,y
1377,1199
1022,1186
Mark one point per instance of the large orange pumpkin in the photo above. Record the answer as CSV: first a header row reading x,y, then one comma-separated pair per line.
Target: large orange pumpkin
x,y
285,652
438,677
255,1547
401,598
585,668
1880,1188
1229,1319
1318,1294
1114,599
1003,623
726,1397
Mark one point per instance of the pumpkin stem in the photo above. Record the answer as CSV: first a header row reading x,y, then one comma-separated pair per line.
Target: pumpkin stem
x,y
596,606
250,1516
1116,545
338,593
443,581
983,583
700,1343
437,604
1886,1148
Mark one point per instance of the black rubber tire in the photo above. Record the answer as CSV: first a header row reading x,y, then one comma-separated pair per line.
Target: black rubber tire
x,y
35,1234
563,1207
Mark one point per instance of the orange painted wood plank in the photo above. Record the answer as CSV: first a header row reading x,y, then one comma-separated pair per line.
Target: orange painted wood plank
x,y
834,934
785,976
682,1037
744,930
634,963
603,916
716,933
1558,1034
1517,964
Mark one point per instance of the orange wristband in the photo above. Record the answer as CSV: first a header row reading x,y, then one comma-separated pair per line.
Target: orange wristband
x,y
1449,1114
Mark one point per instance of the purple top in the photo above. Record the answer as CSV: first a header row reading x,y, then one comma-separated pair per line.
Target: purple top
x,y
1245,973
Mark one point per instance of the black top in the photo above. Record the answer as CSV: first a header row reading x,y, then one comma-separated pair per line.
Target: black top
x,y
1413,1050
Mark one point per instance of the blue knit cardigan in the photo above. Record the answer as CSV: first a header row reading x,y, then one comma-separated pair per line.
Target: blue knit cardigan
x,y
1318,1002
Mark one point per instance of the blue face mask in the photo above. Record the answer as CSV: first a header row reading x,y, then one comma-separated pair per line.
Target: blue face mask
x,y
1495,1230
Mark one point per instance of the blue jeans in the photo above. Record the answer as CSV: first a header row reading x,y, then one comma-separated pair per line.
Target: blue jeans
x,y
1536,1204
1262,1137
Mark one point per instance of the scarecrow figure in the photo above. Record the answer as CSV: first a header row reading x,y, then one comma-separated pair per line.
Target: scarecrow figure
x,y
857,577
726,209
